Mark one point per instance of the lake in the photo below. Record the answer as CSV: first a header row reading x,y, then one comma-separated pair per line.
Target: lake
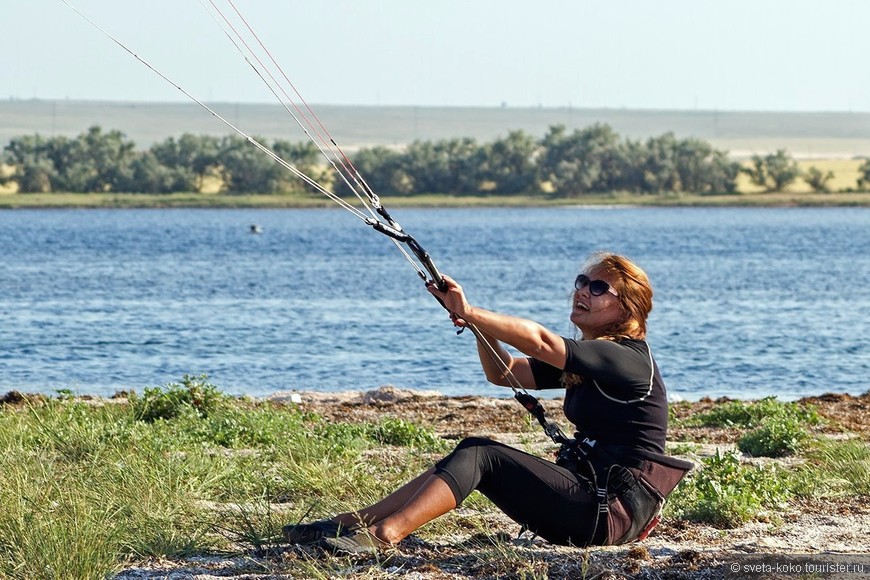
x,y
748,302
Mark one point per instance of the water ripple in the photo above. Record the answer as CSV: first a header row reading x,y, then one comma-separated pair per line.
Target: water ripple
x,y
749,302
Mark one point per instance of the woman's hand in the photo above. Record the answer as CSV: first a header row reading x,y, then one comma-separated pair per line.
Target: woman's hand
x,y
453,299
500,367
525,335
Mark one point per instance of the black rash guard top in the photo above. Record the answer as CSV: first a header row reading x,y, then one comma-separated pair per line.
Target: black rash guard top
x,y
620,399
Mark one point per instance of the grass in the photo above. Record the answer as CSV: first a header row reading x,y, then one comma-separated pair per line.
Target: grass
x,y
727,493
770,428
754,413
87,487
836,468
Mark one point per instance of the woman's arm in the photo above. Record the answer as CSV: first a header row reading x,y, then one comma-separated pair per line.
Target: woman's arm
x,y
499,365
527,336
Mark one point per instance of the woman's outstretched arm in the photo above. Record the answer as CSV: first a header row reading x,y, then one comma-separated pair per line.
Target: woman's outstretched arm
x,y
525,335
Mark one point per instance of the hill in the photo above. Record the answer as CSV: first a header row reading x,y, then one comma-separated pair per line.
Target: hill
x,y
804,135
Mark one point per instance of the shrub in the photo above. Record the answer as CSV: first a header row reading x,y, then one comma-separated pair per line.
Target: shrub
x,y
777,428
193,395
404,433
726,493
752,413
775,437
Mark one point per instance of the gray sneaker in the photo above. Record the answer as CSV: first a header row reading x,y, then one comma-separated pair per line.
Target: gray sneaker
x,y
314,532
356,543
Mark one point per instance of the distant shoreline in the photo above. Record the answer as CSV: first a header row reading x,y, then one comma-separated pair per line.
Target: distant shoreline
x,y
11,201
805,135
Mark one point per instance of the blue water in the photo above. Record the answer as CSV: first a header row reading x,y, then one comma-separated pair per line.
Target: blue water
x,y
748,303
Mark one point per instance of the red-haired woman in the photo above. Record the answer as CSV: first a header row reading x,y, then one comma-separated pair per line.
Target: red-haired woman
x,y
609,483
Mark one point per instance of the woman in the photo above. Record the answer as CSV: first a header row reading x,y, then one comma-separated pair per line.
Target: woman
x,y
606,489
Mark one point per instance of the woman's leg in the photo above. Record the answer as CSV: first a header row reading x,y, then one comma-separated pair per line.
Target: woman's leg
x,y
433,498
390,520
549,500
388,506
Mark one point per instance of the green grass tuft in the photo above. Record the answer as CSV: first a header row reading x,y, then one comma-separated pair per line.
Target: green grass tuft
x,y
776,436
836,468
726,493
192,396
751,414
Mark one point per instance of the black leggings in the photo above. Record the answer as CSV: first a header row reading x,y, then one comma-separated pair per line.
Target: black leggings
x,y
549,500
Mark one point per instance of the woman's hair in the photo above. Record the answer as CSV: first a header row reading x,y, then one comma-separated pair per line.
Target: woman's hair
x,y
635,300
635,293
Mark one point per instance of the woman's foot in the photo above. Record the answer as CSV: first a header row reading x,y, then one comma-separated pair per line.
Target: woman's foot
x,y
315,531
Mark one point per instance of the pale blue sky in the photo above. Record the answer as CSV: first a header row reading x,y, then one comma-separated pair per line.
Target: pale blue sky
x,y
789,55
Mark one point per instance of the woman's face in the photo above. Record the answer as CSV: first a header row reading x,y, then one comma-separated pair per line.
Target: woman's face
x,y
594,314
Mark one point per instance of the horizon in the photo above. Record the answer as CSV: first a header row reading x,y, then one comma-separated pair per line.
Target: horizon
x,y
810,134
314,105
680,55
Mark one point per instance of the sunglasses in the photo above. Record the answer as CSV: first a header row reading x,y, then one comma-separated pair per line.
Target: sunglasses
x,y
596,287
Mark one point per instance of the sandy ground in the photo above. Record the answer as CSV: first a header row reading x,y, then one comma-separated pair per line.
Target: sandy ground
x,y
816,539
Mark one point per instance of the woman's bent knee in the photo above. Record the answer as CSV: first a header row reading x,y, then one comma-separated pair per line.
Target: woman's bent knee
x,y
475,442
461,469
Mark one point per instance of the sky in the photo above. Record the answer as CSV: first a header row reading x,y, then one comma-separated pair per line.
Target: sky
x,y
742,55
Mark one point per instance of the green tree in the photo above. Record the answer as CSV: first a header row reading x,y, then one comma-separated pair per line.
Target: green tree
x,y
704,170
757,173
659,170
36,177
774,171
383,169
588,160
667,164
245,169
95,162
782,169
92,162
306,158
149,175
864,178
447,166
818,180
190,160
32,167
509,165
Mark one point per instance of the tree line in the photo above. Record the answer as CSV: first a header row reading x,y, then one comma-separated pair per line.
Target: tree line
x,y
98,161
560,164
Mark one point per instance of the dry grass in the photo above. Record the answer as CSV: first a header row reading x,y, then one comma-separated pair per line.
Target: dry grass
x,y
10,188
845,175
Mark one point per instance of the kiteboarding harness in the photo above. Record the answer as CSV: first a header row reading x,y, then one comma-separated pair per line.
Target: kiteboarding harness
x,y
255,53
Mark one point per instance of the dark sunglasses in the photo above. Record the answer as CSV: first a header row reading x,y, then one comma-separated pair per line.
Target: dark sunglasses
x,y
596,287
